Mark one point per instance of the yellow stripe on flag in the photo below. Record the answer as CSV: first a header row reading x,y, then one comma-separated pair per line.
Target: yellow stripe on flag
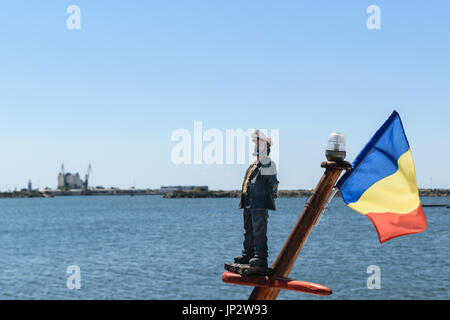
x,y
396,193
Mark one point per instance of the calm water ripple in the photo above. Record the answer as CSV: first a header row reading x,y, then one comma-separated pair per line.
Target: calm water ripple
x,y
147,247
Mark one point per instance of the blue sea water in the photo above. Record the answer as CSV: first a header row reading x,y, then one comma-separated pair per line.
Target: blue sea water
x,y
147,247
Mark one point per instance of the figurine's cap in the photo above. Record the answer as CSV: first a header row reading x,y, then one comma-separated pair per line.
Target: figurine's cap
x,y
262,137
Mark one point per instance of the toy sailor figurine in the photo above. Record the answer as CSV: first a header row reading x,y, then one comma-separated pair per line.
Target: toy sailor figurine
x,y
259,191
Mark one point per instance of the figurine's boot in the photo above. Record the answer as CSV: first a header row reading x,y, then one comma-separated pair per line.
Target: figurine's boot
x,y
244,259
259,223
258,262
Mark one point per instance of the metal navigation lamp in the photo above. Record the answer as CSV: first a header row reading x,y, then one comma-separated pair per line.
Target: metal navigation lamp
x,y
336,147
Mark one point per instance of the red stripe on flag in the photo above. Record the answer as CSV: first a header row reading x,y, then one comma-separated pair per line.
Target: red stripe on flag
x,y
391,225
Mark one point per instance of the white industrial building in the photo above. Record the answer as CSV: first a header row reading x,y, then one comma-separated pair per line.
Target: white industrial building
x,y
69,181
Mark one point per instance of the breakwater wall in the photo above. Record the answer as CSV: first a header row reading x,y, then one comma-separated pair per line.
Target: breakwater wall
x,y
179,194
281,193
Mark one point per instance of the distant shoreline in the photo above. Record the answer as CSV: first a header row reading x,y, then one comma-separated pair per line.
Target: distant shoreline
x,y
90,192
301,193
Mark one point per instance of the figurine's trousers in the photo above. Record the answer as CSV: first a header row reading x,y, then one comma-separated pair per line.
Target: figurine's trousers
x,y
255,233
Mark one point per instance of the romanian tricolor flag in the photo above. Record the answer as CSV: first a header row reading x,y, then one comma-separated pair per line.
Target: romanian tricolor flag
x,y
382,184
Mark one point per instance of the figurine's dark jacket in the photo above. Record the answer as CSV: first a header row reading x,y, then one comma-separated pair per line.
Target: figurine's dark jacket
x,y
262,191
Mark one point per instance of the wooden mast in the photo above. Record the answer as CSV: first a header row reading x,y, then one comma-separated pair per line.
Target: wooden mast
x,y
285,260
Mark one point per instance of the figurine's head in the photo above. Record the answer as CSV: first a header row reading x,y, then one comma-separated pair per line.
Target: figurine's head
x,y
262,144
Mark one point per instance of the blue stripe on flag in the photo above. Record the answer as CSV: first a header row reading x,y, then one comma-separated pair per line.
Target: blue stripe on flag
x,y
376,161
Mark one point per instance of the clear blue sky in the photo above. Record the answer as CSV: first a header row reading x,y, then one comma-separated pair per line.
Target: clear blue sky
x,y
112,93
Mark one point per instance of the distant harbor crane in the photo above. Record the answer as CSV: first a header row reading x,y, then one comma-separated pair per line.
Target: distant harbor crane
x,y
64,180
86,177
